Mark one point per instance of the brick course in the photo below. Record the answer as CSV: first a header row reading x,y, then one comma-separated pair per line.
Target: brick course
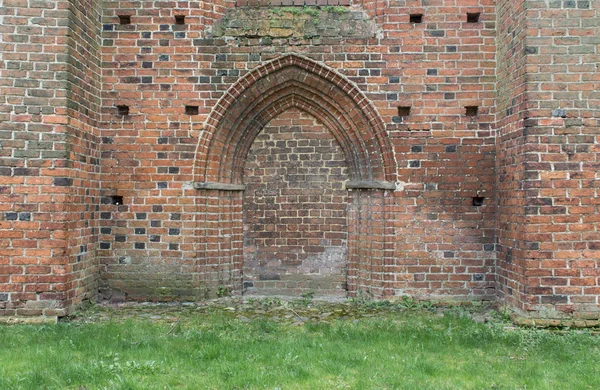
x,y
105,127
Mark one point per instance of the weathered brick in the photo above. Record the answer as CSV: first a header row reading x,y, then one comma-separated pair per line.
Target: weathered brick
x,y
529,151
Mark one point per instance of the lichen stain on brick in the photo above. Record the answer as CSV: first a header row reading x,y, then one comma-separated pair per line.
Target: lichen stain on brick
x,y
295,22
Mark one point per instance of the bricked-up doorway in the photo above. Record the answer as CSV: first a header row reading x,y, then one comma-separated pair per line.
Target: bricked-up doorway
x,y
295,227
288,88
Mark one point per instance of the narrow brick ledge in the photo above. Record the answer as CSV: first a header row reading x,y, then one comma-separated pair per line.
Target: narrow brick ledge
x,y
219,186
370,185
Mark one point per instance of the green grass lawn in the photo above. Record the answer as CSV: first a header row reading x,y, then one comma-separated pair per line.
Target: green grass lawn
x,y
285,346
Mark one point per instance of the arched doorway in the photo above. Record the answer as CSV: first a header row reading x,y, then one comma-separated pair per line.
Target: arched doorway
x,y
293,84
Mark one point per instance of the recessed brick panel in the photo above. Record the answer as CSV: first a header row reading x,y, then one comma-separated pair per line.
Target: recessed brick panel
x,y
295,220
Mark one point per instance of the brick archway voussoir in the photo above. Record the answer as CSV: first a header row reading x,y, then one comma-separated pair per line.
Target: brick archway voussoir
x,y
293,81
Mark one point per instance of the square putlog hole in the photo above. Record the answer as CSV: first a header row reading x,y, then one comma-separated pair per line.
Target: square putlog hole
x,y
416,18
124,19
116,200
478,201
123,110
473,17
191,110
471,110
180,19
403,110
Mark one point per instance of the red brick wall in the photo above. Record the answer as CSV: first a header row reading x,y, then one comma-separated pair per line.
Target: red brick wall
x,y
84,104
68,156
295,204
556,252
49,98
426,239
510,146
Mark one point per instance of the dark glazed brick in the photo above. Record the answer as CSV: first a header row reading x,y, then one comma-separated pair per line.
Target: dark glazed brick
x,y
437,33
554,299
531,50
269,277
25,172
62,182
583,4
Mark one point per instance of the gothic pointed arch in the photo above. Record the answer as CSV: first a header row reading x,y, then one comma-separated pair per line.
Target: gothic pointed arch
x,y
286,82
